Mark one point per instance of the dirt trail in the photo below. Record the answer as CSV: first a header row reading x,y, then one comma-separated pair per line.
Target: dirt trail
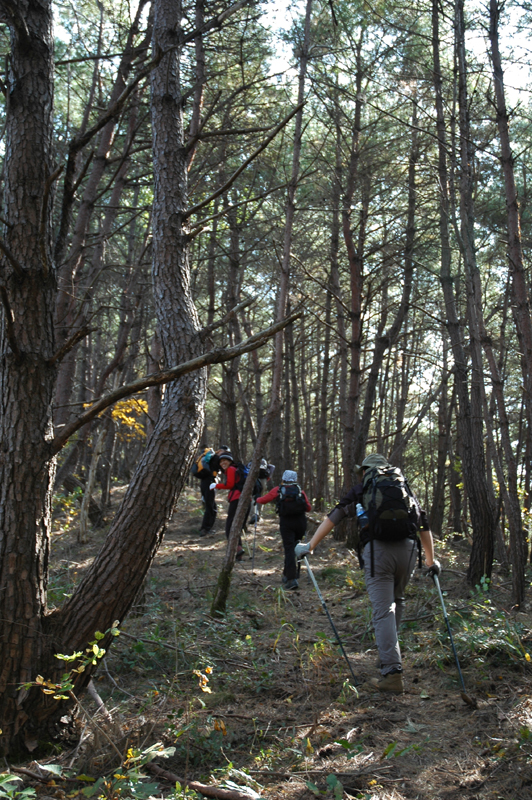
x,y
281,707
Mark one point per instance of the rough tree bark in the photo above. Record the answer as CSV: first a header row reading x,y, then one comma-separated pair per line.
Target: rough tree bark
x,y
27,375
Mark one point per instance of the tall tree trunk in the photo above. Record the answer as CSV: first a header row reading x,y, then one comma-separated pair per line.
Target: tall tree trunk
x,y
385,340
298,432
355,253
469,419
322,438
28,373
521,294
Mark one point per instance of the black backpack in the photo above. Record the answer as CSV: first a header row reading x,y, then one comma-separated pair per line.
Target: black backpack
x,y
290,501
393,511
264,472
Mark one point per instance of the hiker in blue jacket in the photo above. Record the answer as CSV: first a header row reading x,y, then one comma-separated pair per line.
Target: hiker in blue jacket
x,y
388,566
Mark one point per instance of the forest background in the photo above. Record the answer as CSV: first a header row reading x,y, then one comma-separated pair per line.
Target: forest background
x,y
170,192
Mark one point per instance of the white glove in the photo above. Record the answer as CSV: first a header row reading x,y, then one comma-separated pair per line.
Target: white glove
x,y
302,550
434,569
213,485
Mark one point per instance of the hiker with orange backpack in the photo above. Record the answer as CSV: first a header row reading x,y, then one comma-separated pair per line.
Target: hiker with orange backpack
x,y
390,519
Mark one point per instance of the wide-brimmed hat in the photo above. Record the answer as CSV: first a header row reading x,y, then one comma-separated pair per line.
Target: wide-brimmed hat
x,y
289,476
374,460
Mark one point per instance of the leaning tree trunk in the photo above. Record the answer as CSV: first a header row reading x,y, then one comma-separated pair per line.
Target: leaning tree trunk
x,y
113,580
521,295
110,586
478,333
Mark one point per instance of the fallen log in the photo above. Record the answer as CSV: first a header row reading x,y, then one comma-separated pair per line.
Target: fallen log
x,y
202,788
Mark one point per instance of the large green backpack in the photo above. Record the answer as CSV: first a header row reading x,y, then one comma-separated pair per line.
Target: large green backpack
x,y
392,509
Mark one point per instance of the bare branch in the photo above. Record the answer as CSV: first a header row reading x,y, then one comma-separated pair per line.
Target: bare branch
x,y
71,342
79,141
230,314
234,132
12,16
96,57
216,356
200,226
215,22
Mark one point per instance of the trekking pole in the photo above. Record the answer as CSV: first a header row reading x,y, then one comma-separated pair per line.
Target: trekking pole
x,y
464,695
324,606
254,538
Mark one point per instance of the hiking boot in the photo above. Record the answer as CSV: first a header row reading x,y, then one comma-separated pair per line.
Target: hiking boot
x,y
291,584
284,579
239,555
392,682
203,532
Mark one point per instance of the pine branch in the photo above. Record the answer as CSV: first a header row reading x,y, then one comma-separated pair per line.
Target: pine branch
x,y
216,356
227,185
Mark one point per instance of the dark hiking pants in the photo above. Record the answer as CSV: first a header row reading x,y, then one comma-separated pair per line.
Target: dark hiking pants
x,y
209,497
292,531
231,511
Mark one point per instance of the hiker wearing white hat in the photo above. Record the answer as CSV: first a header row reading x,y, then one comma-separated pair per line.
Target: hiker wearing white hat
x,y
291,505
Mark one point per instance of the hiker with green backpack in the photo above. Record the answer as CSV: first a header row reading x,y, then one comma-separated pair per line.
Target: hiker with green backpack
x,y
291,504
390,519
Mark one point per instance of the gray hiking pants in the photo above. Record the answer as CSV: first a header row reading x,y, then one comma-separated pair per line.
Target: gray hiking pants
x,y
393,566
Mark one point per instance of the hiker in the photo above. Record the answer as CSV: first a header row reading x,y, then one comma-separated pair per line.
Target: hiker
x,y
390,519
265,472
204,471
291,504
215,460
205,468
235,477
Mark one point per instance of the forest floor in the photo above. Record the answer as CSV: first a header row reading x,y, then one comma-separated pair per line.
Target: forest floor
x,y
261,699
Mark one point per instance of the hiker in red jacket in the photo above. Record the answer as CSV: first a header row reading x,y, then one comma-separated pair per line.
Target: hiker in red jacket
x,y
291,502
234,483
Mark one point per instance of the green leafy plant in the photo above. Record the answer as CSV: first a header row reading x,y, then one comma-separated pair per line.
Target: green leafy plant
x,y
63,689
394,751
8,788
334,787
129,781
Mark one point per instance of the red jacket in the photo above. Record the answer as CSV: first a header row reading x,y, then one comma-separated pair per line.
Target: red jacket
x,y
273,494
232,477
